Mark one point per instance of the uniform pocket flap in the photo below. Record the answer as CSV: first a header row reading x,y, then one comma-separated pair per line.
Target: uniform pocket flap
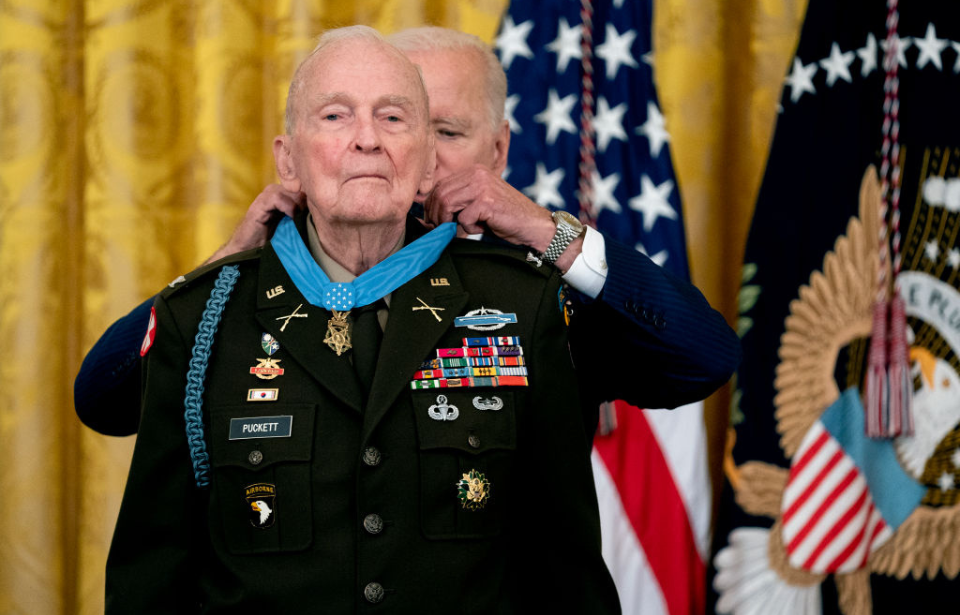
x,y
469,420
252,438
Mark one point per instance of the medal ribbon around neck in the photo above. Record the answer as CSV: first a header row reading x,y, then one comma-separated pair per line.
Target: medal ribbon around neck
x,y
376,282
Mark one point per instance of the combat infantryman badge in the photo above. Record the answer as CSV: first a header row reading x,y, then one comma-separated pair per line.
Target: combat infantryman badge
x,y
473,490
484,319
262,498
267,369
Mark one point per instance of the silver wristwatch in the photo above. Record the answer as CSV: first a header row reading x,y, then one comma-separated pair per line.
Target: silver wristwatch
x,y
568,229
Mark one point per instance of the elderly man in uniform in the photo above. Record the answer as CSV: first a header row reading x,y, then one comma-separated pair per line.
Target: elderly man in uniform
x,y
438,470
467,89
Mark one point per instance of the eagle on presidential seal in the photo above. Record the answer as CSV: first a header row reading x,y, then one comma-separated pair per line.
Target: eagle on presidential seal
x,y
833,520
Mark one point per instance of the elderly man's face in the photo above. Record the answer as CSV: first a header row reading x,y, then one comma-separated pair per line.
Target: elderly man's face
x,y
361,147
459,113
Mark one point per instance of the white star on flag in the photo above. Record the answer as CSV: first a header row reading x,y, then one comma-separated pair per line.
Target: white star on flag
x,y
545,191
932,250
630,147
557,115
837,65
512,41
930,48
945,482
868,56
609,123
953,257
800,79
566,45
901,47
652,202
615,50
654,129
603,188
509,106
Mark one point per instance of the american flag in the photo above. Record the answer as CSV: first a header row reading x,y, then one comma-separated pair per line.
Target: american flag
x,y
846,493
651,470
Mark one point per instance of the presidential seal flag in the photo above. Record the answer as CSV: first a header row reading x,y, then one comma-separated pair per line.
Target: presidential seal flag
x,y
861,194
588,136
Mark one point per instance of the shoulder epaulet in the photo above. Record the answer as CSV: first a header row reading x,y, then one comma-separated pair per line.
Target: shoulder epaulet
x,y
501,250
202,272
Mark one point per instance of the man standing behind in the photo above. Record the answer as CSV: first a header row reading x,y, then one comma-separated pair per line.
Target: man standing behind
x,y
295,486
467,89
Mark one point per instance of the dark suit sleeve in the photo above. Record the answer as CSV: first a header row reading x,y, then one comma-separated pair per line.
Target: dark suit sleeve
x,y
106,392
154,557
650,338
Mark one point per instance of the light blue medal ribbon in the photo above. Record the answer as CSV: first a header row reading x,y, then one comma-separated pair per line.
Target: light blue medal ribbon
x,y
378,281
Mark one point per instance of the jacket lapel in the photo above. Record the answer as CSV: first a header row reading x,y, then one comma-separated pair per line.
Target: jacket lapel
x,y
302,336
412,333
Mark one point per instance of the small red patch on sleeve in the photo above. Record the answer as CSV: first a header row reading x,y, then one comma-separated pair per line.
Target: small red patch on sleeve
x,y
151,333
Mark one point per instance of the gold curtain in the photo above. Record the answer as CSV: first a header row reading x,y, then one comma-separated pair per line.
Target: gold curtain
x,y
133,135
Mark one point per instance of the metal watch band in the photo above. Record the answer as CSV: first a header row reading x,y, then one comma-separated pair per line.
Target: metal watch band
x,y
561,239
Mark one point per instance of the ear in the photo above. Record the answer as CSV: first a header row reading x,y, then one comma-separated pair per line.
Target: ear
x,y
428,179
501,147
286,168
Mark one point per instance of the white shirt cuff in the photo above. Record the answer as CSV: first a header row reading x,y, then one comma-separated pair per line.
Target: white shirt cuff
x,y
589,271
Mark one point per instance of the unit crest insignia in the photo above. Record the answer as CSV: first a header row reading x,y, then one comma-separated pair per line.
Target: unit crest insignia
x,y
473,490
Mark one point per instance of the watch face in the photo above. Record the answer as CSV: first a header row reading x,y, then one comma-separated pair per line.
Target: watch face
x,y
567,218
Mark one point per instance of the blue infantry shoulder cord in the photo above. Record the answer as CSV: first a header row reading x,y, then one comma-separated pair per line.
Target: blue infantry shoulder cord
x,y
198,372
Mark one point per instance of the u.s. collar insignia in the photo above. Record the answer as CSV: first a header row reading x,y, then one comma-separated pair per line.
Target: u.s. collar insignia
x,y
269,344
473,490
262,498
484,319
267,369
491,403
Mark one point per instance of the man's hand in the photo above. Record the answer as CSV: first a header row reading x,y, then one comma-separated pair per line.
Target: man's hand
x,y
482,201
261,220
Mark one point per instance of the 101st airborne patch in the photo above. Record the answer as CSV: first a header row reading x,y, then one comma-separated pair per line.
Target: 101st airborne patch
x,y
262,498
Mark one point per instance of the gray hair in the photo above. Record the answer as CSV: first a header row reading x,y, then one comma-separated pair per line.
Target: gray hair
x,y
330,37
432,38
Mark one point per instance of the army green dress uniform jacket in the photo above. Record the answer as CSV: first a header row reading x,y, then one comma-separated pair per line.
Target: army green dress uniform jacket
x,y
362,508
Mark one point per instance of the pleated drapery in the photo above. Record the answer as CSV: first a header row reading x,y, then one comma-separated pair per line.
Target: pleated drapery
x,y
135,133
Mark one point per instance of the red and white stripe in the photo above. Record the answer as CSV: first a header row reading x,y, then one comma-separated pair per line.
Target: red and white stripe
x,y
654,493
830,523
151,333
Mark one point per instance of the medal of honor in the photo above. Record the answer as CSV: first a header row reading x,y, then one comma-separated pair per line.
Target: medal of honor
x,y
376,282
338,332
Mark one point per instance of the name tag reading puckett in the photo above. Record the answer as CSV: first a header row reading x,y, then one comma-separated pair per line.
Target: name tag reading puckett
x,y
261,427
